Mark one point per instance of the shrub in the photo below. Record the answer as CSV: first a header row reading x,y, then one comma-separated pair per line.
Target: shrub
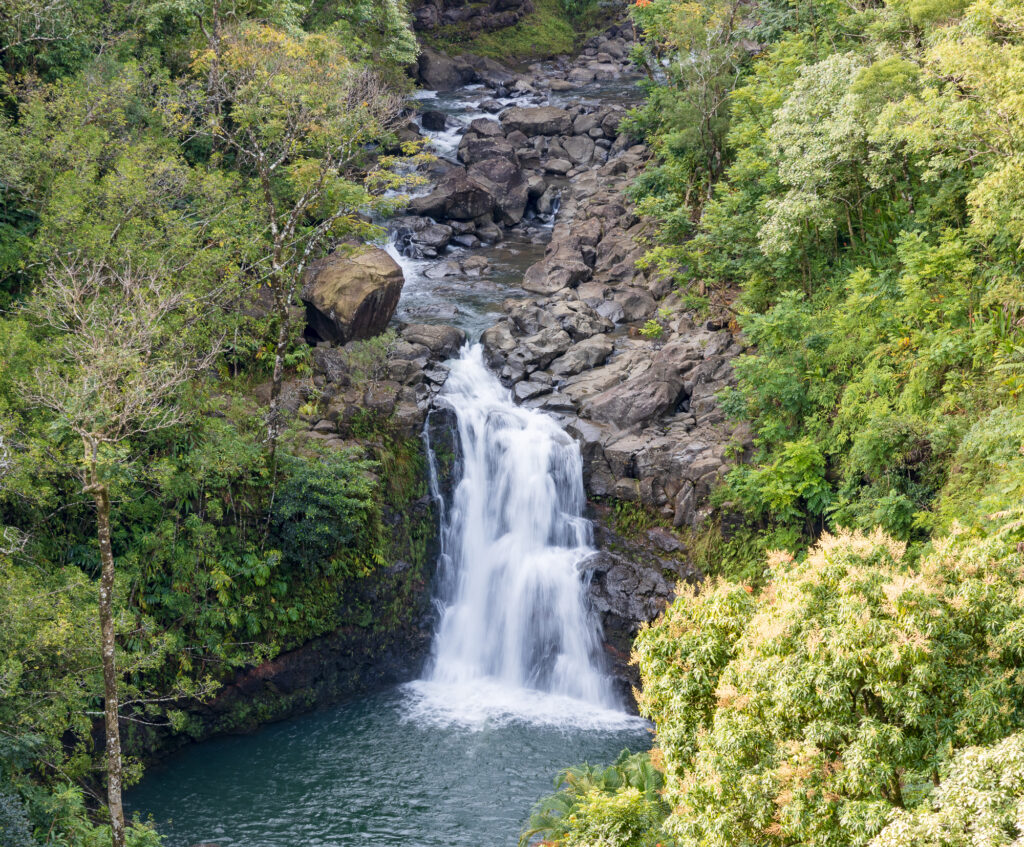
x,y
325,518
816,714
979,802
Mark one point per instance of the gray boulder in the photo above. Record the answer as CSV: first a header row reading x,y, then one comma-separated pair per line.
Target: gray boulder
x,y
642,398
583,356
558,166
349,297
562,269
539,350
506,184
439,72
486,128
474,148
434,120
440,340
434,236
541,120
579,148
457,197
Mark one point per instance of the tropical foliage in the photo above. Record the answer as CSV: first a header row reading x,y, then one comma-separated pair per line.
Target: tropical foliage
x,y
160,164
616,806
832,708
860,213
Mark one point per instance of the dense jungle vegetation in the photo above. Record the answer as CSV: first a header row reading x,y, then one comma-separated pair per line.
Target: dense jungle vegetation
x,y
166,170
845,180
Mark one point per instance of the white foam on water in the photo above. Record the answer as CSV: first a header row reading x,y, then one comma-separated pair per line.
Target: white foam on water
x,y
445,143
411,268
484,704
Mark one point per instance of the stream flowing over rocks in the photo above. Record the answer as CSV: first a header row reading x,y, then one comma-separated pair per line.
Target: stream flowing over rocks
x,y
525,245
526,240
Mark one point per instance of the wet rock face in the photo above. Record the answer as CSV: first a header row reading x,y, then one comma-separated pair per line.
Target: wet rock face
x,y
623,592
631,581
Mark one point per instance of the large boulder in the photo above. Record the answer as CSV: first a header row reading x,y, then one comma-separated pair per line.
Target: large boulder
x,y
439,72
434,236
348,297
491,72
580,148
486,128
540,349
640,399
457,197
507,184
582,356
562,269
474,148
441,340
541,120
434,120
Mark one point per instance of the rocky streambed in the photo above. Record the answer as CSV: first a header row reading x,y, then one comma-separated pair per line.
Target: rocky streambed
x,y
526,240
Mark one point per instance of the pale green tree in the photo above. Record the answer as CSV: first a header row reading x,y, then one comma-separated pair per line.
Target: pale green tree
x,y
297,116
979,802
846,692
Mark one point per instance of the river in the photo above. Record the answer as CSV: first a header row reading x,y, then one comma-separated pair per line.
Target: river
x,y
516,688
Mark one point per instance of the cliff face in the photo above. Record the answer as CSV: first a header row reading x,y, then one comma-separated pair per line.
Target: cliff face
x,y
385,625
495,14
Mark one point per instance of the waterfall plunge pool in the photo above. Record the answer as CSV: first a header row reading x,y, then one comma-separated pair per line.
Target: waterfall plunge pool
x,y
423,765
514,691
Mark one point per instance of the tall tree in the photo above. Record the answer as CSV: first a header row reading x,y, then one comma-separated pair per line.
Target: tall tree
x,y
301,121
121,358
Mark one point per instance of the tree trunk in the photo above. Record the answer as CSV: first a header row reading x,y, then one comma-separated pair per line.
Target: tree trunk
x,y
110,708
274,412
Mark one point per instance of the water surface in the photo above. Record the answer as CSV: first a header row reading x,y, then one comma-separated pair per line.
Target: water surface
x,y
399,768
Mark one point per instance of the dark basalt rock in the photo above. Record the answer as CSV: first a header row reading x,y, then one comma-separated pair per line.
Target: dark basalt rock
x,y
457,197
434,120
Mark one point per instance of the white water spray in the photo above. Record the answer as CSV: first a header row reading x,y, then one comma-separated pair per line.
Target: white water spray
x,y
515,623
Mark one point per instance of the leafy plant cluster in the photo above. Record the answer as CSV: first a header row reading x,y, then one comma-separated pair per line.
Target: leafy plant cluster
x,y
858,700
550,30
616,806
849,175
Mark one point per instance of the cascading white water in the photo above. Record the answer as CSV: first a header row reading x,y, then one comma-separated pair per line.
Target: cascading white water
x,y
514,615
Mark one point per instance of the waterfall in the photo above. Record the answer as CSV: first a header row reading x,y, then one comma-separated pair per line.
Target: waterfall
x,y
514,619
